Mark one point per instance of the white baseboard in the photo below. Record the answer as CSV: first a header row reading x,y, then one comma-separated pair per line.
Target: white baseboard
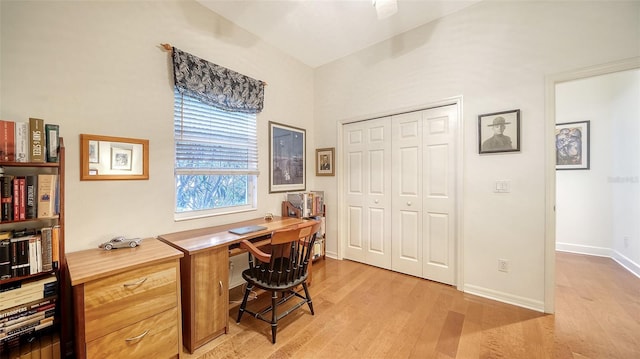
x,y
582,249
528,303
625,262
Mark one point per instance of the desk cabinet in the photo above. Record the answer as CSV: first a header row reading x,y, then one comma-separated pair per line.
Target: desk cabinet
x,y
210,274
127,302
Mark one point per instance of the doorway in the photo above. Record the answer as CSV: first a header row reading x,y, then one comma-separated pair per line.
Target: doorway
x,y
550,170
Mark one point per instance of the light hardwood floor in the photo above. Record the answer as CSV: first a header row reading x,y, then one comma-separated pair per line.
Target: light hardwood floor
x,y
366,312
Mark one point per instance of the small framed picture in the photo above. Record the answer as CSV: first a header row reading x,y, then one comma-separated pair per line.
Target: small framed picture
x,y
325,161
499,132
121,158
94,152
572,145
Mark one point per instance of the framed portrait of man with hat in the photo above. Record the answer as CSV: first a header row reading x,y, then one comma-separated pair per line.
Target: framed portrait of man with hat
x,y
499,132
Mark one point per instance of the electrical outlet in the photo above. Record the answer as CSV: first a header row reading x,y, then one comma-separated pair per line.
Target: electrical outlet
x,y
503,265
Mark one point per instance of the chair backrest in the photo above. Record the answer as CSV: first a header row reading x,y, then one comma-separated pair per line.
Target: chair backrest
x,y
290,251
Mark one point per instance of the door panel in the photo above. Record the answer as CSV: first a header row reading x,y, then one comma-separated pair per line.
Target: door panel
x,y
439,201
407,193
438,239
368,180
354,237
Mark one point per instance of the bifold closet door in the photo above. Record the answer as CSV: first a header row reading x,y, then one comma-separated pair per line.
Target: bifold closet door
x,y
400,174
406,207
423,193
439,130
367,160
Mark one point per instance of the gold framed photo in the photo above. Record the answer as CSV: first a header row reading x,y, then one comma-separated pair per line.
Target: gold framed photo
x,y
325,162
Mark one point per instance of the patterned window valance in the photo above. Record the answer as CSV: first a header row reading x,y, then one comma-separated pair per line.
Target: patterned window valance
x,y
216,85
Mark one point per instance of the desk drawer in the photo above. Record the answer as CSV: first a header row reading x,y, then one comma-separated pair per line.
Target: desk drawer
x,y
160,340
115,302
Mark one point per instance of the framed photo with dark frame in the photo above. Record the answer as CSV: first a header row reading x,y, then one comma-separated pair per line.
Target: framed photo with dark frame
x,y
325,158
572,145
499,132
287,151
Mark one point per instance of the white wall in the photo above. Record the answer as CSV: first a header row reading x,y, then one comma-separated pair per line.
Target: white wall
x,y
583,197
96,67
597,209
496,55
626,174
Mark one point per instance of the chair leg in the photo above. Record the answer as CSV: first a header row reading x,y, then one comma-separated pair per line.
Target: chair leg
x,y
306,294
274,316
244,302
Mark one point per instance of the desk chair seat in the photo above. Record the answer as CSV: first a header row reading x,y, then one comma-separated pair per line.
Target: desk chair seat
x,y
280,267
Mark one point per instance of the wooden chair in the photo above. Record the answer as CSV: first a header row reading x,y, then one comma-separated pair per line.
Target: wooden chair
x,y
280,270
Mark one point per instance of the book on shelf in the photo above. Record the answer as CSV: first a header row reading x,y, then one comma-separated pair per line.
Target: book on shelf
x,y
309,203
19,256
22,142
15,185
32,344
35,254
22,194
6,198
52,136
31,204
47,184
55,246
25,308
7,141
5,258
29,293
46,235
36,140
18,198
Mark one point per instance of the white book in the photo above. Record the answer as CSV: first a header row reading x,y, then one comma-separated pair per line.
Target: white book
x,y
22,142
39,253
33,261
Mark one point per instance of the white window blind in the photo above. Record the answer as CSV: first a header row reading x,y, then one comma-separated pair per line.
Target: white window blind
x,y
213,141
216,163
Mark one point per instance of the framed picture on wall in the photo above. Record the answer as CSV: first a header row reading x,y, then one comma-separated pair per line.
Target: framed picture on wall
x,y
499,132
287,153
572,145
325,158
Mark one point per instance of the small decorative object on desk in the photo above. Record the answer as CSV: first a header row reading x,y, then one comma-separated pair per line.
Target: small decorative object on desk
x,y
268,216
120,242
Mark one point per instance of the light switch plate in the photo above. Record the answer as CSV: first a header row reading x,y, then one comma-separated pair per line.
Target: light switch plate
x,y
502,186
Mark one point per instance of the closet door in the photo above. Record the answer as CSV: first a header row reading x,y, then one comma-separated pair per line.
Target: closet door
x,y
367,164
407,193
439,174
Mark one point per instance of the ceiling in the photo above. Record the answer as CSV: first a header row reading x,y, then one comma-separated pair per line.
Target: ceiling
x,y
319,31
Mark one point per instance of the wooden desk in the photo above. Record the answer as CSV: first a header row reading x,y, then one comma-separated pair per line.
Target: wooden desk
x,y
204,272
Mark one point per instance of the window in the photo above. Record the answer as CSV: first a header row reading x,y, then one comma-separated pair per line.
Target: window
x,y
216,163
